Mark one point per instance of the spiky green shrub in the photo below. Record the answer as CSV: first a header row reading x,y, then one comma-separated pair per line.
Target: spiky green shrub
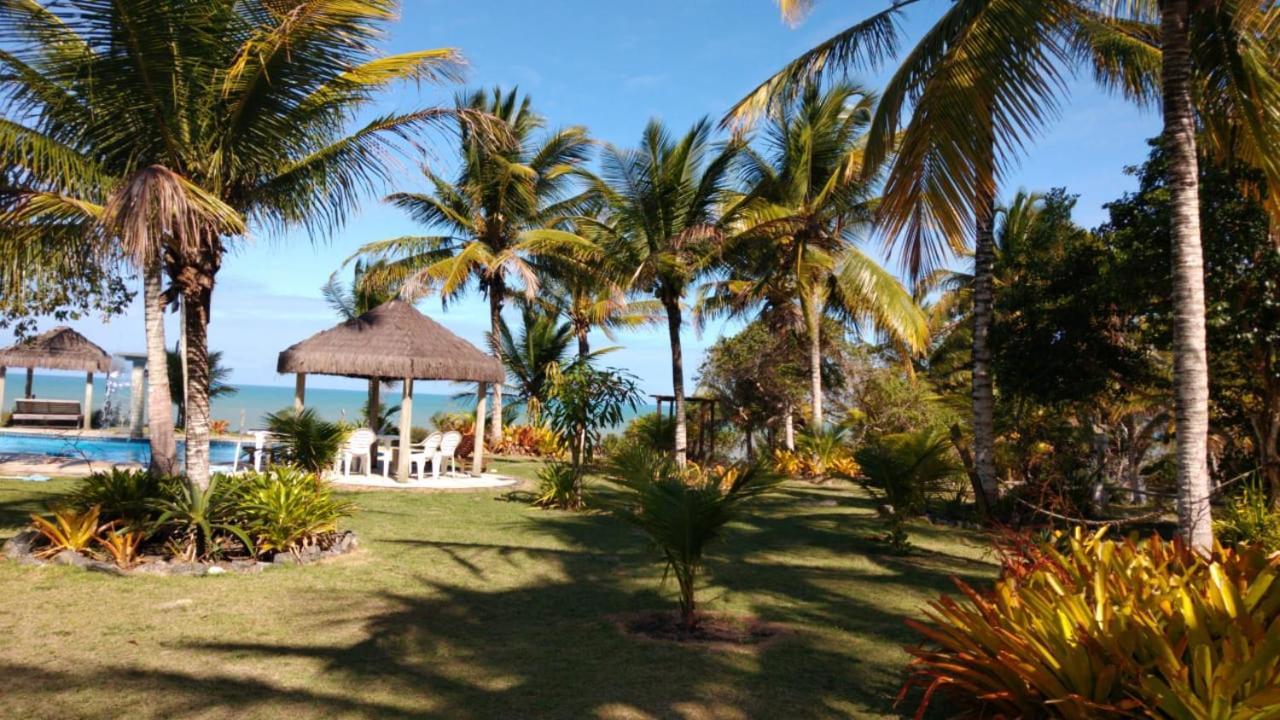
x,y
126,496
286,509
902,471
559,486
1100,628
683,510
202,523
1249,518
309,442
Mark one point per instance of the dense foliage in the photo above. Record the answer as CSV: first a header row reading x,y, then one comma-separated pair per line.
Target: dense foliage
x,y
307,441
1091,627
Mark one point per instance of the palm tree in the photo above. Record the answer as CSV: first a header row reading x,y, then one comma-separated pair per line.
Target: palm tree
x,y
980,82
543,343
350,302
219,377
510,185
214,116
661,203
795,259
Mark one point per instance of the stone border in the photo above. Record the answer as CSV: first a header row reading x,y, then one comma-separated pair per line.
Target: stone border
x,y
21,549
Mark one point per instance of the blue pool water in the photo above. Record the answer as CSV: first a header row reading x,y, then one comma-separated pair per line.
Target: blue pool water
x,y
105,450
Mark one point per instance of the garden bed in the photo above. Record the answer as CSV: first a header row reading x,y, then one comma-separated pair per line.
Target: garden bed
x,y
24,548
714,630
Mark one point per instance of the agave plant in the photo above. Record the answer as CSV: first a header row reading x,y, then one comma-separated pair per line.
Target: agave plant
x,y
683,510
200,518
309,442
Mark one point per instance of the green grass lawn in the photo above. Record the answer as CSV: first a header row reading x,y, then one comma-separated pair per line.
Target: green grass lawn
x,y
469,606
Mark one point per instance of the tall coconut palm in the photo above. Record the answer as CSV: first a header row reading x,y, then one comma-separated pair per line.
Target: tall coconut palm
x,y
795,257
350,302
542,343
979,83
511,182
661,204
216,115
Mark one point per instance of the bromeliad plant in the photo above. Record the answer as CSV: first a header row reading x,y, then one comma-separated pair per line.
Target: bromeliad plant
x,y
683,510
287,509
1102,628
202,521
68,529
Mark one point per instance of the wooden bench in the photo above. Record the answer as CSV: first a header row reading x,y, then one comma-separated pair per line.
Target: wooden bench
x,y
32,411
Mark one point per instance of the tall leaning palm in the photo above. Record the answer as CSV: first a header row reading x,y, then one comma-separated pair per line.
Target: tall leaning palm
x,y
795,258
979,83
217,116
511,183
661,204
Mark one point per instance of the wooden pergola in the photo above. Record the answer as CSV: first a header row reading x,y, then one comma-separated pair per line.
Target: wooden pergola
x,y
706,406
396,342
58,349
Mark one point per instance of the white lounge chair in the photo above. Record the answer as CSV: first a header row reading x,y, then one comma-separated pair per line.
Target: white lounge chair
x,y
426,453
448,445
359,445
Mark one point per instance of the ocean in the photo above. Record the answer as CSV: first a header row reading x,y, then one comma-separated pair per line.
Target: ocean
x,y
251,402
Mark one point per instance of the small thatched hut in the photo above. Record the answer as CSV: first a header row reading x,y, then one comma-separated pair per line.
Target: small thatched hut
x,y
395,342
58,349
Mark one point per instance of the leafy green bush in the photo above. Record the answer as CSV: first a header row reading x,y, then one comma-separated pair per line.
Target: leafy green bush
x,y
902,471
309,442
127,496
286,509
1101,628
559,486
683,510
1250,518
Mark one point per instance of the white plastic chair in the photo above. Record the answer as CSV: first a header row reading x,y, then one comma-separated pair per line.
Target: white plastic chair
x,y
448,445
358,446
426,453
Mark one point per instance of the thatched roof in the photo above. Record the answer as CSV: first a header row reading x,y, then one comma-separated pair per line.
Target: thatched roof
x,y
58,349
391,341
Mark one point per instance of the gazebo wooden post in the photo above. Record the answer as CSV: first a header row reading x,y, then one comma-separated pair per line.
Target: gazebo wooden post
x,y
88,400
375,402
406,431
299,392
477,454
31,376
3,372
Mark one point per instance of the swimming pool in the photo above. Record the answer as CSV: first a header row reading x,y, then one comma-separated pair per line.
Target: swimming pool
x,y
99,449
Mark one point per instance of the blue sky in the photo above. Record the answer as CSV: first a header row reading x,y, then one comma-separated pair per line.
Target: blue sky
x,y
609,66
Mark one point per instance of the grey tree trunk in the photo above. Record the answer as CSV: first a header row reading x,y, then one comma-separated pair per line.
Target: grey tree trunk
x,y
983,392
164,450
584,344
198,301
674,321
813,318
496,295
1190,354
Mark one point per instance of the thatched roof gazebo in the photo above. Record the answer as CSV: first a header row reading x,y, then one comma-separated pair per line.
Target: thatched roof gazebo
x,y
58,349
395,342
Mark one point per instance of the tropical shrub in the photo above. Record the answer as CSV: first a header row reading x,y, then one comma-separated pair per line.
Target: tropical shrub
x,y
903,471
683,511
286,509
582,400
67,529
219,427
534,440
128,496
445,421
559,486
122,544
1249,518
1103,628
201,522
308,441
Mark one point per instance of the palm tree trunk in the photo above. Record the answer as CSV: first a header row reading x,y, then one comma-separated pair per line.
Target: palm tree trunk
x,y
584,345
497,291
198,301
984,402
813,317
1190,356
164,451
674,322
